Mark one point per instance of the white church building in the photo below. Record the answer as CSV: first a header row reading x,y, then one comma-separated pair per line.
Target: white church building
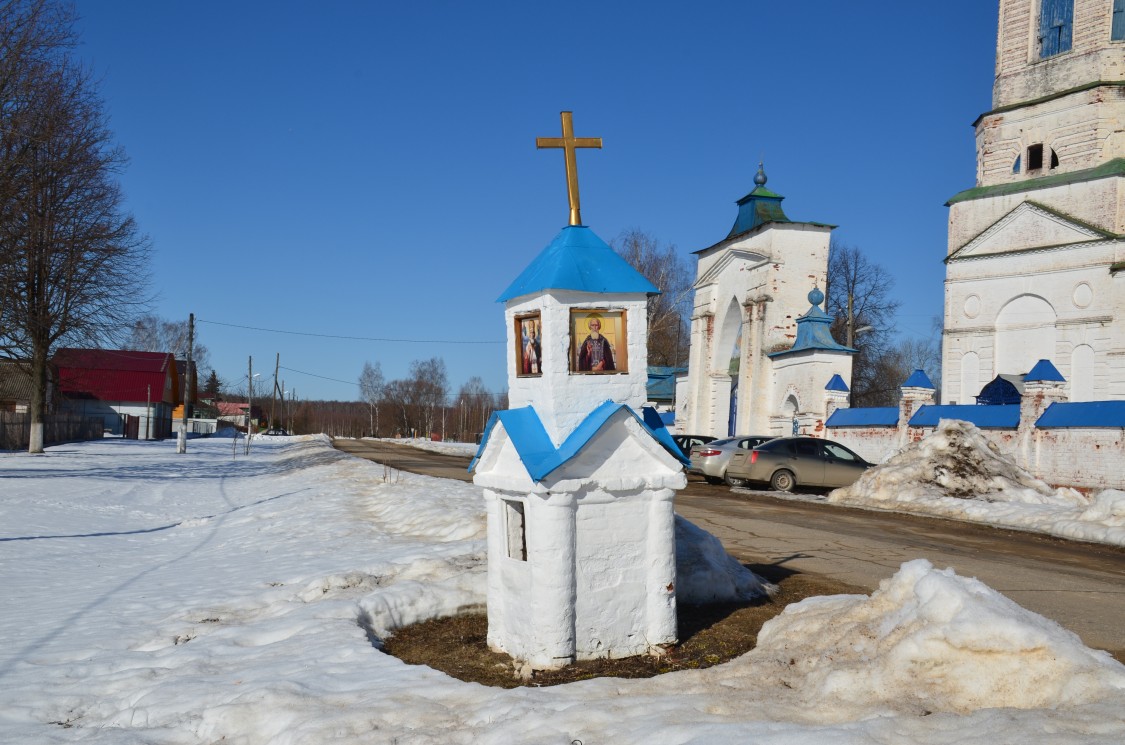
x,y
1035,266
757,365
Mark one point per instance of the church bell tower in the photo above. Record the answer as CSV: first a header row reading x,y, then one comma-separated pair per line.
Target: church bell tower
x,y
1035,265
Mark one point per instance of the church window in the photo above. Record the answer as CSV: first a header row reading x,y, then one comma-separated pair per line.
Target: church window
x,y
1056,24
515,529
1054,159
1118,31
1034,157
1016,165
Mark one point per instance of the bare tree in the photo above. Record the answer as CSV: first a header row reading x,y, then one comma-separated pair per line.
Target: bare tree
x,y
669,314
150,333
475,405
416,403
371,384
863,311
74,262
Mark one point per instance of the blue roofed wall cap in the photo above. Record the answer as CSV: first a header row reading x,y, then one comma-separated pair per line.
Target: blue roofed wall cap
x,y
836,383
918,379
1044,372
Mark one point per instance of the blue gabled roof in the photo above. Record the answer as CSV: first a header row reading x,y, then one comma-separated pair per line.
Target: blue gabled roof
x,y
1044,371
527,434
871,416
1083,414
577,259
1003,415
836,383
539,455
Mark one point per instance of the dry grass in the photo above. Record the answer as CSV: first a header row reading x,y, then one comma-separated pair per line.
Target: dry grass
x,y
709,635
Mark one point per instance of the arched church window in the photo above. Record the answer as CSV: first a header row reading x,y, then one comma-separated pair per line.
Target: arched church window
x,y
1056,27
1016,165
1054,159
1034,157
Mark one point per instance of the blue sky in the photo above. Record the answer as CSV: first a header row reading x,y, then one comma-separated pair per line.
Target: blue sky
x,y
368,169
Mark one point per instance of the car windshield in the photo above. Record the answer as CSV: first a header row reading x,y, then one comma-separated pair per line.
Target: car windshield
x,y
718,443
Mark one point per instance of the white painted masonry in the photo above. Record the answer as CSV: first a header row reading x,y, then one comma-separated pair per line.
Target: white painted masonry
x,y
1036,254
579,493
561,398
755,284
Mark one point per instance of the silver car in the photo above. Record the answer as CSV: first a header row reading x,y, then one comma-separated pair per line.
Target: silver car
x,y
710,460
787,462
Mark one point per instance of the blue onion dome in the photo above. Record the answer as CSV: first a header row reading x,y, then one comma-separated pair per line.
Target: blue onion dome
x,y
816,297
760,176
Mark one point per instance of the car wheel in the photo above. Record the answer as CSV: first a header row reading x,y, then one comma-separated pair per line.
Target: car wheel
x,y
713,479
735,481
783,481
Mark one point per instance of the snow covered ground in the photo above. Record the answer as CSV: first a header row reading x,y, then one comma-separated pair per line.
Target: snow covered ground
x,y
955,472
220,597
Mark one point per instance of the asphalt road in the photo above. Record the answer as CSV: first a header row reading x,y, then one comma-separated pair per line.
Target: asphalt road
x,y
1080,585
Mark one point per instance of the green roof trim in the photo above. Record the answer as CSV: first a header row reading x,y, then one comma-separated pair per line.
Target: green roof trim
x,y
1115,167
1050,97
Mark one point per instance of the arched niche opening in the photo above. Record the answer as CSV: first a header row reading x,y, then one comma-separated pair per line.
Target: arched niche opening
x,y
1025,334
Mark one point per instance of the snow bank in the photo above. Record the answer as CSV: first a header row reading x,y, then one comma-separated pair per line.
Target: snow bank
x,y
930,641
706,573
955,460
956,472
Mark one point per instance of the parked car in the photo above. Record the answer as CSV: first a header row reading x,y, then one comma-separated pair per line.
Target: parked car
x,y
710,459
277,433
686,442
788,462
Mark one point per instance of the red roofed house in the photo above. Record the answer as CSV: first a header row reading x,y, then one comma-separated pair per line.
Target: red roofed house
x,y
134,392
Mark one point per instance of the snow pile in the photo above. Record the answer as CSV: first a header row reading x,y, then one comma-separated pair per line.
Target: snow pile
x,y
930,641
956,472
955,460
706,573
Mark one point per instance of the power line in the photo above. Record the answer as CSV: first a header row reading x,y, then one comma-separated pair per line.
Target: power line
x,y
350,338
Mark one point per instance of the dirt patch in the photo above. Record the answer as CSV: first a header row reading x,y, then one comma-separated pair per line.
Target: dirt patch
x,y
709,635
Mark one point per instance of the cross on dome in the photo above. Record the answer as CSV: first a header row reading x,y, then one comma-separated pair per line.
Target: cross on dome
x,y
568,142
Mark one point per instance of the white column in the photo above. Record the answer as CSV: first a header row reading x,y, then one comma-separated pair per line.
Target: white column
x,y
551,545
660,581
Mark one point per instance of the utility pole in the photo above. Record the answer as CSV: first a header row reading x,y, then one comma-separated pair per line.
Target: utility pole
x,y
273,401
250,400
181,440
148,411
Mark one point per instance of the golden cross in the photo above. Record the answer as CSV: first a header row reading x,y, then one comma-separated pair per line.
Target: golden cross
x,y
568,142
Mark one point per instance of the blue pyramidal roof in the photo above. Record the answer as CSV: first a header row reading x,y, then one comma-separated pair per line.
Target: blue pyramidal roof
x,y
814,330
577,259
1044,371
836,383
918,379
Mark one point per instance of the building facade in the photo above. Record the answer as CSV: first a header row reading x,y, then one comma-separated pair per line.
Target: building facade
x,y
747,372
1035,265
